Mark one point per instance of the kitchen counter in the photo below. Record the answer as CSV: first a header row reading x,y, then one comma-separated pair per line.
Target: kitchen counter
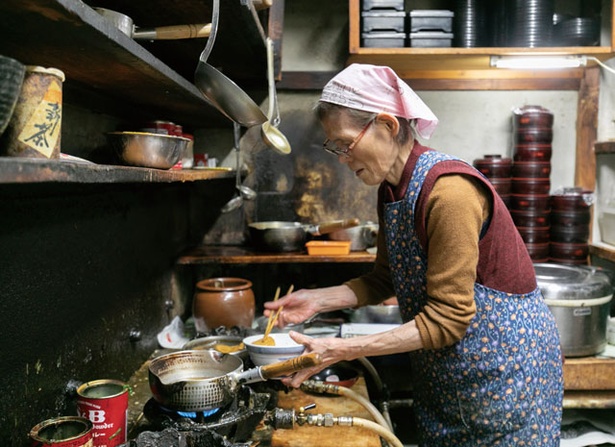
x,y
265,436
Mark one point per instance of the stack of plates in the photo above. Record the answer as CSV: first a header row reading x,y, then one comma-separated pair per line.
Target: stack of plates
x,y
531,23
470,24
577,31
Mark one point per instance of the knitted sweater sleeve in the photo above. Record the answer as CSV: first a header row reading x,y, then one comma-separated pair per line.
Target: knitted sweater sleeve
x,y
454,215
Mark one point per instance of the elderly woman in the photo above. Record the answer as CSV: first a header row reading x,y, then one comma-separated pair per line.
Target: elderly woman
x,y
484,348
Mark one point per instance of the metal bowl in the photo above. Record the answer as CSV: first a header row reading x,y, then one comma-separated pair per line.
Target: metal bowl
x,y
379,314
148,150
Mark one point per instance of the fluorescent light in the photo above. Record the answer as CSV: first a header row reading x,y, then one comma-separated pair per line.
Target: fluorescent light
x,y
538,62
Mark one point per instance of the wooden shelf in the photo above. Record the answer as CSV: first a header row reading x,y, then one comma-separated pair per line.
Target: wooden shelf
x,y
34,170
604,251
604,147
156,77
464,64
243,255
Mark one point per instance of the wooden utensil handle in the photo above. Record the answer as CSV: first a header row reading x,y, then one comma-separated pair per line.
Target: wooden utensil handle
x,y
174,32
290,365
339,225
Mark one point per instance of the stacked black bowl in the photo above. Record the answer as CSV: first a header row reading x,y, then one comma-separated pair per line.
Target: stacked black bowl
x,y
470,24
570,218
577,32
530,184
498,170
529,23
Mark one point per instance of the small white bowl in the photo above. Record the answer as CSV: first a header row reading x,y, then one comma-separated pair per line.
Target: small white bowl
x,y
285,348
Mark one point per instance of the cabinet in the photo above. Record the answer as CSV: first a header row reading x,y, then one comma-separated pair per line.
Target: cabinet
x,y
435,68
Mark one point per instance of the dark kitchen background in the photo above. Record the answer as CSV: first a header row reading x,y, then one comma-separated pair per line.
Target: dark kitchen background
x,y
89,272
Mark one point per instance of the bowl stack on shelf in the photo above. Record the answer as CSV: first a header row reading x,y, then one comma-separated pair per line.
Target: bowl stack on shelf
x,y
570,218
530,184
498,170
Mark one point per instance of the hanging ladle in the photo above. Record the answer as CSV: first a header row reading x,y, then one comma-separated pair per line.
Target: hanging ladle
x,y
220,91
245,193
269,131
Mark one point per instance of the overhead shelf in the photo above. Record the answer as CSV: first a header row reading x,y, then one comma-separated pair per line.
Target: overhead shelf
x,y
35,170
462,63
154,77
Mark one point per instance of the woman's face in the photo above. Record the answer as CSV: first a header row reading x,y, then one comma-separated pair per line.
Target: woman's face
x,y
376,155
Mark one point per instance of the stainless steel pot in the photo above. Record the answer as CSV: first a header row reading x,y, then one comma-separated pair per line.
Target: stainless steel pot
x,y
361,237
579,298
199,380
278,236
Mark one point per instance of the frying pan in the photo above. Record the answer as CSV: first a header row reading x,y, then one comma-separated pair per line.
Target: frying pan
x,y
199,380
278,236
126,25
220,91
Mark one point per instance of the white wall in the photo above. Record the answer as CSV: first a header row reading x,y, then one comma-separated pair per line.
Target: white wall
x,y
472,123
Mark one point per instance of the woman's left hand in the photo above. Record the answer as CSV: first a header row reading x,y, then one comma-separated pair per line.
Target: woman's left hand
x,y
330,350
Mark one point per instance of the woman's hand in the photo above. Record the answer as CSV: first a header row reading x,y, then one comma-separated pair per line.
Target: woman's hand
x,y
330,349
305,303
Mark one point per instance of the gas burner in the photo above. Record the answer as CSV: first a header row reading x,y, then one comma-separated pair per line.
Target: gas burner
x,y
236,422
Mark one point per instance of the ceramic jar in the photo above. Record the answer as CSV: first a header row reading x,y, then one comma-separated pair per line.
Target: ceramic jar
x,y
224,302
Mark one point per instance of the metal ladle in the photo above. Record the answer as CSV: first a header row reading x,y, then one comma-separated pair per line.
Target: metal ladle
x,y
245,193
220,91
269,129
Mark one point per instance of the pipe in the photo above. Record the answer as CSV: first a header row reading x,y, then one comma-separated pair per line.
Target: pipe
x,y
371,370
385,434
316,386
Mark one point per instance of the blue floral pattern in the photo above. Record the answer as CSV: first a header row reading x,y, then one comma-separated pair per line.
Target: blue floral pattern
x,y
501,384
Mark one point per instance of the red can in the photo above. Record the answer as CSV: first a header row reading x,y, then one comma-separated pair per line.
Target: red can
x,y
159,126
105,403
65,431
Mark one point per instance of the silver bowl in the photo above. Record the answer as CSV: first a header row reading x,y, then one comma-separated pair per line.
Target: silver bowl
x,y
380,314
148,150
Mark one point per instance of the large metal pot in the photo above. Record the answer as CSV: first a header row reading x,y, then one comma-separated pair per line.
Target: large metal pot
x,y
278,236
579,298
361,237
199,380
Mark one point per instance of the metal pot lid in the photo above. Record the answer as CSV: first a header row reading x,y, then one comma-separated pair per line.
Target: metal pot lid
x,y
563,282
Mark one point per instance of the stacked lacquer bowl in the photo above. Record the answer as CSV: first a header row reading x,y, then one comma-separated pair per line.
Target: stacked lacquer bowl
x,y
570,219
498,170
530,183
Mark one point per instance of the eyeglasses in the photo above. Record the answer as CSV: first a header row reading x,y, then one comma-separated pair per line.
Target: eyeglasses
x,y
333,148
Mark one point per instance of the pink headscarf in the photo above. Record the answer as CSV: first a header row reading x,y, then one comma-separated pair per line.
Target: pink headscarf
x,y
377,89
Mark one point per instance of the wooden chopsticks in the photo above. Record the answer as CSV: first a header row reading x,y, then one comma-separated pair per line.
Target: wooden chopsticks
x,y
273,318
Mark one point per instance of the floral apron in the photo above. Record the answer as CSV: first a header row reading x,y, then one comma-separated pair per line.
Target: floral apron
x,y
501,384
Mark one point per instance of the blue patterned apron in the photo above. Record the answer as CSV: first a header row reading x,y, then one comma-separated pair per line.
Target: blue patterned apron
x,y
501,384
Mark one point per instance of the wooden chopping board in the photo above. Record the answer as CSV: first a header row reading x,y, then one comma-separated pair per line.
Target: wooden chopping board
x,y
336,436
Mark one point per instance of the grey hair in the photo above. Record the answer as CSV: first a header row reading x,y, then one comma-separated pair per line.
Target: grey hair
x,y
360,119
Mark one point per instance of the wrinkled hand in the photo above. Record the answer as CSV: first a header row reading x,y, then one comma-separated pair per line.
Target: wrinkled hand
x,y
298,307
330,349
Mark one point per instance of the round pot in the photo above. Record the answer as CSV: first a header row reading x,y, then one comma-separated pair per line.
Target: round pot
x,y
340,374
531,169
533,152
534,235
533,135
529,202
570,218
530,218
572,199
501,185
531,185
494,166
579,298
361,237
532,116
224,302
567,250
